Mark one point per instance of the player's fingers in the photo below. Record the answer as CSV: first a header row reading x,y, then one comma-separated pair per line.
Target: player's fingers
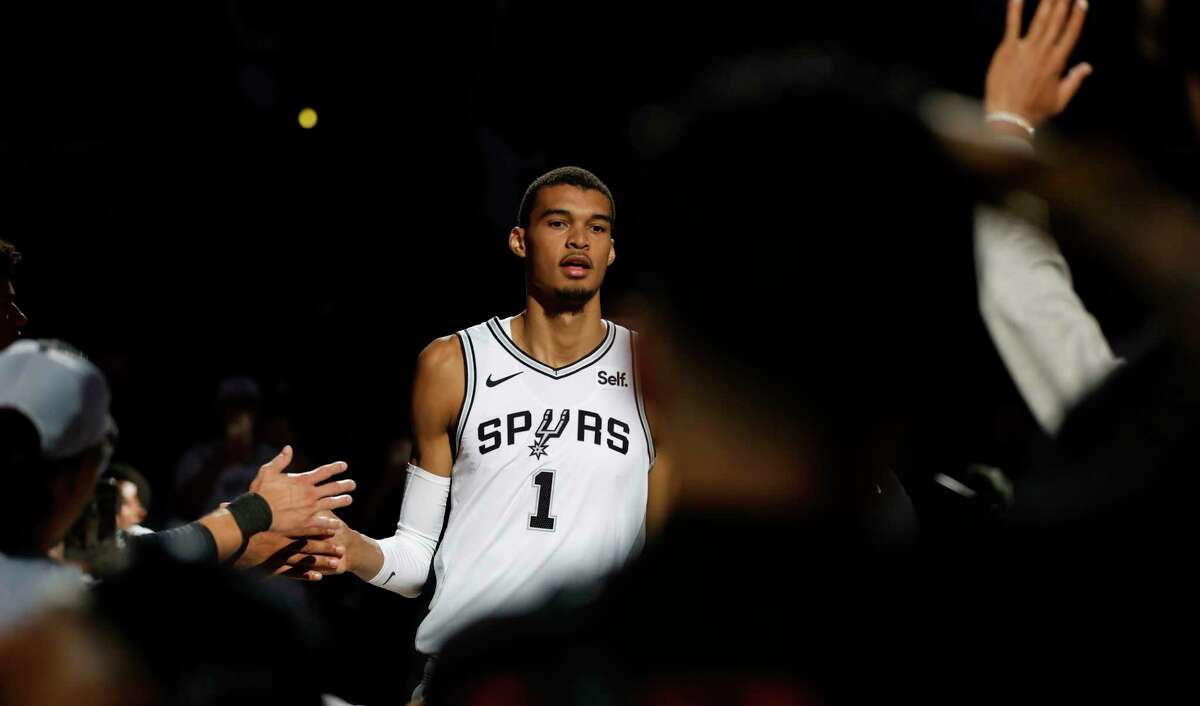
x,y
322,548
316,563
1058,20
1074,29
1012,29
324,473
318,526
316,532
298,573
1038,27
1070,85
337,487
334,503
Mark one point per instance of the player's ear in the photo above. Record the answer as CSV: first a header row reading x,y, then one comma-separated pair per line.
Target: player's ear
x,y
516,241
612,252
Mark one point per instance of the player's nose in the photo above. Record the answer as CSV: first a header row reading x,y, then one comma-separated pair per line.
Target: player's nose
x,y
577,238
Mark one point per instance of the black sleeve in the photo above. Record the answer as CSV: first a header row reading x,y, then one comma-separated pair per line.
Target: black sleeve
x,y
191,543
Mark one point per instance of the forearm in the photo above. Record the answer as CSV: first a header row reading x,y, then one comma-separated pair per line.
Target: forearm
x,y
226,534
364,557
400,563
193,542
1052,346
215,537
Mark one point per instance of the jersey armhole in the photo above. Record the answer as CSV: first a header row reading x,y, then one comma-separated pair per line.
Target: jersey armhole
x,y
641,404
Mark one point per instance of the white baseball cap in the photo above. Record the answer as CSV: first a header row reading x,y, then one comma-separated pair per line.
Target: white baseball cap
x,y
61,392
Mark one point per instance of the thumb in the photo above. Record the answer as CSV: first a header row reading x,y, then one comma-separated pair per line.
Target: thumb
x,y
280,462
1069,86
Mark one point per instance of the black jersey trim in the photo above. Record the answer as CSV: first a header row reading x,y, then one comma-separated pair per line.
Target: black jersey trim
x,y
469,383
596,355
462,406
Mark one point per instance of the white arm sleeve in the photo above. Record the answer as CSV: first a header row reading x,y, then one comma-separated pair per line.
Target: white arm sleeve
x,y
408,553
1052,346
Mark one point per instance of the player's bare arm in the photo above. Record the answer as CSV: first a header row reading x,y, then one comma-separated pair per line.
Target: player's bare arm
x,y
437,397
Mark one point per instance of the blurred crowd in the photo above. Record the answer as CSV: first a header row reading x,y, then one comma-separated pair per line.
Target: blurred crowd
x,y
915,464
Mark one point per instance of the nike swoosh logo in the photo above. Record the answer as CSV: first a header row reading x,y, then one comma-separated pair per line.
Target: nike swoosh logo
x,y
492,383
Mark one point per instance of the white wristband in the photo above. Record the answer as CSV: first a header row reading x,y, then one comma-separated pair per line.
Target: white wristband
x,y
1011,119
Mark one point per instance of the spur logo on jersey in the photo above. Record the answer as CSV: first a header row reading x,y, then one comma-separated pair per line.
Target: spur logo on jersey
x,y
538,448
611,433
616,380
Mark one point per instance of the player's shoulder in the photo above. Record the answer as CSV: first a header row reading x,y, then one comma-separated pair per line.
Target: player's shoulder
x,y
623,331
447,355
441,358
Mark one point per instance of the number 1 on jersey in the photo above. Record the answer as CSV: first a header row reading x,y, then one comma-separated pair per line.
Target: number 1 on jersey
x,y
543,520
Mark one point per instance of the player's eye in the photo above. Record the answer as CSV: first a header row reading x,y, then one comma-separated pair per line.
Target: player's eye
x,y
557,224
599,229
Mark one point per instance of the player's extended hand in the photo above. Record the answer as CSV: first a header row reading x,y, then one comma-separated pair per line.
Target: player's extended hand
x,y
301,556
1026,73
342,537
295,498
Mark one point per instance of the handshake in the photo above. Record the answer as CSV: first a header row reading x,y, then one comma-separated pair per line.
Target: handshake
x,y
289,528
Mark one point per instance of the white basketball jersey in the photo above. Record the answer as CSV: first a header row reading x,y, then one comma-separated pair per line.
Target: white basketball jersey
x,y
549,480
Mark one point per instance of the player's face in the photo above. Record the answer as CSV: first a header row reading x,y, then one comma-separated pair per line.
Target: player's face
x,y
568,245
11,316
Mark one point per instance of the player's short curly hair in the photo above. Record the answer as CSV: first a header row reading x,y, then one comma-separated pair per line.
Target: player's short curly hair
x,y
574,176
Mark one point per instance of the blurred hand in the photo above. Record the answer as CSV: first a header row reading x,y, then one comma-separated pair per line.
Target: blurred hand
x,y
1026,73
296,498
298,556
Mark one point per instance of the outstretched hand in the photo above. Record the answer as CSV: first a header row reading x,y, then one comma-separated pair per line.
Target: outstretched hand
x,y
1026,74
296,498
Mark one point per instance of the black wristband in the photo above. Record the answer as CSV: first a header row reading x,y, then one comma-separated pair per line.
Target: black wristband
x,y
252,514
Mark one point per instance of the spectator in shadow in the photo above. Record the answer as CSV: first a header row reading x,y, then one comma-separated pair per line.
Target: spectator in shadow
x,y
217,471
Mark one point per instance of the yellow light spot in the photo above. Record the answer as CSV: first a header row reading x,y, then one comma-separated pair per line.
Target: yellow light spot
x,y
308,118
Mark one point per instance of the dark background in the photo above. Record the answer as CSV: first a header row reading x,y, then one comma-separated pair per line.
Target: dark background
x,y
179,226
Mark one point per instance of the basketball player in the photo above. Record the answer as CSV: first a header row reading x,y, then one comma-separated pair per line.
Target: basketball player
x,y
539,420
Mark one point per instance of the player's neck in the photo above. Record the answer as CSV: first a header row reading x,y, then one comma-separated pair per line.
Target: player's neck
x,y
558,338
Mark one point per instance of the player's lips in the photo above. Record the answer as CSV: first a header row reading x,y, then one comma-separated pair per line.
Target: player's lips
x,y
576,265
